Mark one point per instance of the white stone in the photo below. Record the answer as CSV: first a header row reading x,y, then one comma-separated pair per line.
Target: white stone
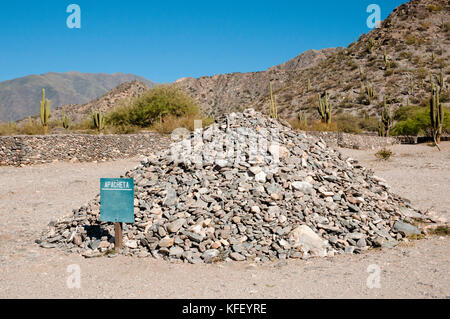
x,y
309,241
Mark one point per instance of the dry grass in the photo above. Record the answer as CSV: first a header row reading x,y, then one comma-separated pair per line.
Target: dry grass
x,y
384,154
171,122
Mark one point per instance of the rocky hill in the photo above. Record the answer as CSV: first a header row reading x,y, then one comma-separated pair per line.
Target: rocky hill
x,y
20,97
125,91
228,92
415,38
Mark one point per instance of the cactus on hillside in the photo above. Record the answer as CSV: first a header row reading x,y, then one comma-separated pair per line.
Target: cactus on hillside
x,y
370,92
99,120
436,115
273,104
301,116
324,108
386,120
308,86
65,122
440,79
44,111
370,45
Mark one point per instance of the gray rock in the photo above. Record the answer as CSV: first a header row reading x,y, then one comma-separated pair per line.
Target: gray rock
x,y
237,256
175,226
176,251
210,254
406,229
304,187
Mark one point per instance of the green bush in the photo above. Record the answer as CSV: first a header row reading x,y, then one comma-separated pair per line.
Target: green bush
x,y
153,107
415,120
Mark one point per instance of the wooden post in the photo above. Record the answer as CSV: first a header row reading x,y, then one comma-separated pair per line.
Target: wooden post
x,y
118,239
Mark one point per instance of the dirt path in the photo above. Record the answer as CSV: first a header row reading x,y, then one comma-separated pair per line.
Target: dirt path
x,y
32,196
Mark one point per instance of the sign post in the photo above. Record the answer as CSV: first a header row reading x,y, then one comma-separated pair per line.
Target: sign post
x,y
117,204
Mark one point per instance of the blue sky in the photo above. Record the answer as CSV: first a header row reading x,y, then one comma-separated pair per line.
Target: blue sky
x,y
167,40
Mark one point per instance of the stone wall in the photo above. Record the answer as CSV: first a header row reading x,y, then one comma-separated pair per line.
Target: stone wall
x,y
25,150
355,141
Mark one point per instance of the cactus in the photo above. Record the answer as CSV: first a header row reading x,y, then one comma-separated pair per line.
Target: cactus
x,y
65,122
44,111
99,120
324,108
370,45
440,79
436,115
386,120
370,92
273,104
301,116
432,57
308,86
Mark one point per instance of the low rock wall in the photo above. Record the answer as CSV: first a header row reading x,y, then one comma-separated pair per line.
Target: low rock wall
x,y
26,150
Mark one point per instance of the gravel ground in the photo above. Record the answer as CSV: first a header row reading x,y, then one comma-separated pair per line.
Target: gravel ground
x,y
32,196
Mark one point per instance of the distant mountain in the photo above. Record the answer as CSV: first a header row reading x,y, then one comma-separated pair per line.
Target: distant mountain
x,y
20,97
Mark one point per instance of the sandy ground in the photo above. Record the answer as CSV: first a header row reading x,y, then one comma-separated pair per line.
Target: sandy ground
x,y
32,196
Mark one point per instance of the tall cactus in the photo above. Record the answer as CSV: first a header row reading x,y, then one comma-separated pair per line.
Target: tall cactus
x,y
273,104
65,122
308,86
302,119
99,120
436,115
440,79
324,108
44,111
386,120
370,92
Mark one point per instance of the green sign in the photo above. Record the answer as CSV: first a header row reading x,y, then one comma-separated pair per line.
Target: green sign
x,y
117,200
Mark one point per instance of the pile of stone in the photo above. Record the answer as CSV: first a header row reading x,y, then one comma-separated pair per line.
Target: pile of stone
x,y
245,188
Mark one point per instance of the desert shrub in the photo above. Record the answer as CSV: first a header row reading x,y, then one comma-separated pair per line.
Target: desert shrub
x,y
348,123
440,231
415,120
388,72
158,103
369,124
422,73
32,127
434,8
323,127
172,122
8,129
410,39
296,124
384,154
405,55
122,129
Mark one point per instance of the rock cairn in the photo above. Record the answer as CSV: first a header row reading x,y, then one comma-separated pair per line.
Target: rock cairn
x,y
245,188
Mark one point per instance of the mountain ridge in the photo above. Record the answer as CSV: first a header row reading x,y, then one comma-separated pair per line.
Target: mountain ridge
x,y
20,97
